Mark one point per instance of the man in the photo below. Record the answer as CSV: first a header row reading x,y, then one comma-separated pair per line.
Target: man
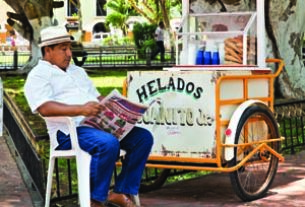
x,y
56,88
159,37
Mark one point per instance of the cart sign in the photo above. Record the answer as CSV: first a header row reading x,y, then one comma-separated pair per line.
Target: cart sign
x,y
182,115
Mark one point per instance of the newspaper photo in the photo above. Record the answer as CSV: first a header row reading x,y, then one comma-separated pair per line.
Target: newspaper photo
x,y
119,115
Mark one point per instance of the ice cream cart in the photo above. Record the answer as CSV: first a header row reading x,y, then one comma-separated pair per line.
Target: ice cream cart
x,y
214,109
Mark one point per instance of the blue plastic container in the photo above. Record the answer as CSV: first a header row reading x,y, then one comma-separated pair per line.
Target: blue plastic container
x,y
199,57
207,58
215,58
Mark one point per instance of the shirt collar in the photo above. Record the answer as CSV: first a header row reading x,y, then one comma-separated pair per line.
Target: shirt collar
x,y
47,63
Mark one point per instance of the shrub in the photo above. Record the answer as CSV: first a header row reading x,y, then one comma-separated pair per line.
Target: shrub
x,y
144,37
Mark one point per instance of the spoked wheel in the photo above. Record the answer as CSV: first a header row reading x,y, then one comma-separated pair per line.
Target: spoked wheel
x,y
252,180
153,179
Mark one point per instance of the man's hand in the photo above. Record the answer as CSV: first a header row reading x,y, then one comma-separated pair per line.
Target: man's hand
x,y
91,109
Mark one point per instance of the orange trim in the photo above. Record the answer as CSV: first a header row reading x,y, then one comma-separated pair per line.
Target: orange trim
x,y
181,159
220,168
125,85
255,143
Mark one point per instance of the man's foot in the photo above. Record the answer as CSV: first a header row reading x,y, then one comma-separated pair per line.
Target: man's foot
x,y
94,203
120,200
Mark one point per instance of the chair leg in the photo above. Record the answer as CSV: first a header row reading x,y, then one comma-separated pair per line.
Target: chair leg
x,y
83,160
49,181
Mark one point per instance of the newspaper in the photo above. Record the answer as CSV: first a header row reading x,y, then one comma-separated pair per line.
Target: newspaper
x,y
119,115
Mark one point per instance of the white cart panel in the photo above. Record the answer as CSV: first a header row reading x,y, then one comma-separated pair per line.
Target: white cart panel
x,y
183,124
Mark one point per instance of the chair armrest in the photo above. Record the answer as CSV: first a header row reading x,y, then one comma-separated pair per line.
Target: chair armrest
x,y
71,125
62,119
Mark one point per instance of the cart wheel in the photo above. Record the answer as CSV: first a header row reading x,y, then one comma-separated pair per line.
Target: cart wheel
x,y
252,181
153,179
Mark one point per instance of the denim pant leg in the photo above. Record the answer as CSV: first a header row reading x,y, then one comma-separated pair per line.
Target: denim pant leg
x,y
104,149
137,144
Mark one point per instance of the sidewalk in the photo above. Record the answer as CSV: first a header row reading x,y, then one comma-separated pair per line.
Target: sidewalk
x,y
288,190
13,191
212,190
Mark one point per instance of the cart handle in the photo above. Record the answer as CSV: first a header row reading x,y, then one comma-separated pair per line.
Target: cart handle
x,y
280,67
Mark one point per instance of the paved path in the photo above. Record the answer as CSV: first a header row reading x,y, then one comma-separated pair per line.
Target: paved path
x,y
13,191
213,190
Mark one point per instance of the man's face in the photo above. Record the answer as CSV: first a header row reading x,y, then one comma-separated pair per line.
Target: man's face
x,y
60,55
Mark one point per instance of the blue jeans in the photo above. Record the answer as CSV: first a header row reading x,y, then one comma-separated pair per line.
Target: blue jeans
x,y
104,149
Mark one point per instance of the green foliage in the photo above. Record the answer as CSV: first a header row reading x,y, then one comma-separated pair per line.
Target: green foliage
x,y
111,40
115,41
144,37
121,11
119,6
118,20
148,45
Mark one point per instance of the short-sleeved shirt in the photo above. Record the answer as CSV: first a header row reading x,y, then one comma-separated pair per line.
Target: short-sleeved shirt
x,y
47,82
159,34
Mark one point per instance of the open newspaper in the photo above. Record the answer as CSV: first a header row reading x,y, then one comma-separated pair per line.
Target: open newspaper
x,y
119,115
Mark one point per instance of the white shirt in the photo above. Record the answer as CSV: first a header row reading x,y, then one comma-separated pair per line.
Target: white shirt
x,y
159,34
46,82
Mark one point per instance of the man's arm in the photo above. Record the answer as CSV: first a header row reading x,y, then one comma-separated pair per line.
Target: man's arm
x,y
52,108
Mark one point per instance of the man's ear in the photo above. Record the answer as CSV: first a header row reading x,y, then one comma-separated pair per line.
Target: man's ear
x,y
47,49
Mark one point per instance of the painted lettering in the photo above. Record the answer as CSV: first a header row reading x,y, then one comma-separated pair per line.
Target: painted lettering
x,y
153,87
142,95
204,119
171,84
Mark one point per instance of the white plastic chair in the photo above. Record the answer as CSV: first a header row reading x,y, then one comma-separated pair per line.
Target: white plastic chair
x,y
83,160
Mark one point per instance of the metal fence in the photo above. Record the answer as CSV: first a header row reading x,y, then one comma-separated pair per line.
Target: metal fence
x,y
99,57
291,118
12,60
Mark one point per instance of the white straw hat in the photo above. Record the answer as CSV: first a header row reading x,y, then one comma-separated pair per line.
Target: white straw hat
x,y
54,35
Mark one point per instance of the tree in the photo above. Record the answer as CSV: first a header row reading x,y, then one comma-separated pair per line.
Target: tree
x,y
121,11
156,10
29,18
285,28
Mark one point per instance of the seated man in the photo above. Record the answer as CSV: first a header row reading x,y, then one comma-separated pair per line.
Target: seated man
x,y
56,88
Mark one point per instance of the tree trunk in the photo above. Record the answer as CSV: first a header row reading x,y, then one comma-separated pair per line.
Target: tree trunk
x,y
285,31
29,18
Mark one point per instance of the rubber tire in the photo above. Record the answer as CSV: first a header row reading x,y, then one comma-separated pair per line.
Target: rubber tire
x,y
156,183
241,190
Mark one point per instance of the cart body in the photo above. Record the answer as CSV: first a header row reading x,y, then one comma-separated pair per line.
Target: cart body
x,y
194,109
215,117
